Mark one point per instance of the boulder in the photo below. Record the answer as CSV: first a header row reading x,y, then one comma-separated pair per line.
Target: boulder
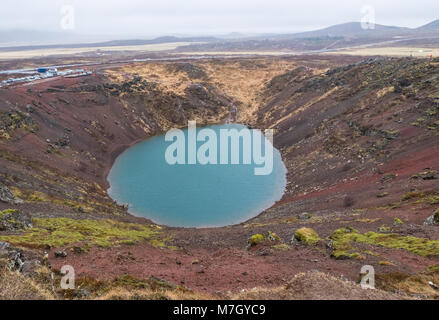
x,y
26,262
81,293
271,236
15,262
429,175
5,194
304,216
4,245
29,267
433,219
60,254
13,219
426,175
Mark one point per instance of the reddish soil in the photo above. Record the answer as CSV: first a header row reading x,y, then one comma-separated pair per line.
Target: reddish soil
x,y
219,271
338,152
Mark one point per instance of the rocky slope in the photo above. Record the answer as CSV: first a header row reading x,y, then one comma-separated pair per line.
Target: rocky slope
x,y
359,139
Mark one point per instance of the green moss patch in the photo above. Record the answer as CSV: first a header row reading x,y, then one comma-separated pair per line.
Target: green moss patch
x,y
58,232
343,248
307,235
432,268
344,255
255,239
384,229
282,246
8,217
8,213
412,195
343,240
38,196
270,237
385,263
431,197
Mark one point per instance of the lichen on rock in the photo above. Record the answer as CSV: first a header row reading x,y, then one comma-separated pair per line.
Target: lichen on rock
x,y
13,219
6,195
433,219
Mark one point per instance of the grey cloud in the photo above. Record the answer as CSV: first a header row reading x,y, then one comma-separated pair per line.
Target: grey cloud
x,y
142,18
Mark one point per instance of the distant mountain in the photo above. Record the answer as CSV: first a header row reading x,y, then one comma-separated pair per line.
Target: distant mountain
x,y
20,37
233,35
350,29
109,44
337,36
349,34
165,39
433,26
356,29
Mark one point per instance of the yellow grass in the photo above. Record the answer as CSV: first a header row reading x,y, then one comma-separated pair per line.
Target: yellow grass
x,y
381,93
418,52
245,83
306,106
121,293
259,53
240,80
15,286
69,51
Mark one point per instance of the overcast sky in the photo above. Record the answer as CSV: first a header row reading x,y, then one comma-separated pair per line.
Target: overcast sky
x,y
130,18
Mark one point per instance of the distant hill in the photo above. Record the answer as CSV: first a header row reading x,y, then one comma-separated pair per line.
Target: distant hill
x,y
21,37
352,29
336,36
349,34
165,39
433,26
113,43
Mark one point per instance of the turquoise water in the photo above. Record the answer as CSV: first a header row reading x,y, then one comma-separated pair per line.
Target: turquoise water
x,y
192,195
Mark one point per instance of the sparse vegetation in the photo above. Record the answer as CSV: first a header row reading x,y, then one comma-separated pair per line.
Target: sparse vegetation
x,y
58,232
431,198
388,177
385,263
13,120
270,237
16,286
345,238
382,195
255,239
11,219
307,236
412,195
